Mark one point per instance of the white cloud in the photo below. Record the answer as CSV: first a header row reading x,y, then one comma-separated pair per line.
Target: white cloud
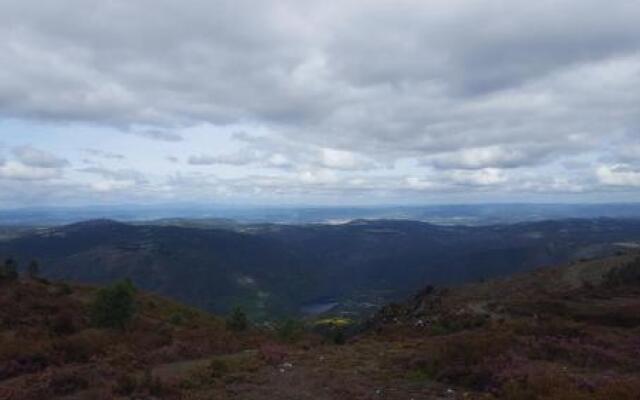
x,y
618,175
110,185
17,171
341,159
481,177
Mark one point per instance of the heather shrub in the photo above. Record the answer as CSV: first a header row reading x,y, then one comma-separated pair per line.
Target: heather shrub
x,y
628,274
65,289
125,385
218,367
25,364
67,383
80,347
151,385
556,385
273,354
141,386
62,324
176,319
226,368
463,359
290,330
546,327
149,339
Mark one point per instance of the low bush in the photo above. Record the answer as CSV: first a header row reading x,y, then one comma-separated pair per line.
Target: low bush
x,y
290,330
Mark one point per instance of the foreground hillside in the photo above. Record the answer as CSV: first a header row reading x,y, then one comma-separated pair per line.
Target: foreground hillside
x,y
568,333
277,269
50,349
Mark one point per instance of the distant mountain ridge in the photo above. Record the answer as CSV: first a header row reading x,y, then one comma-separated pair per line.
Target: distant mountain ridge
x,y
444,214
275,269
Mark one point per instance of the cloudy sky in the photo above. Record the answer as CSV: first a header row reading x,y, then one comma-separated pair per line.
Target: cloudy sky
x,y
333,102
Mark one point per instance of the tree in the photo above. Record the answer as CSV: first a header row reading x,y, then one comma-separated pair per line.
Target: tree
x,y
237,321
114,306
9,270
33,270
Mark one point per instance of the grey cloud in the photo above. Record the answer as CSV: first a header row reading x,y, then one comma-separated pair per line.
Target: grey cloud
x,y
499,156
321,184
160,135
281,153
285,63
104,154
122,174
237,159
33,157
463,87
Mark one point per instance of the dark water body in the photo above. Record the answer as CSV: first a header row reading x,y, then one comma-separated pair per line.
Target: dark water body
x,y
318,308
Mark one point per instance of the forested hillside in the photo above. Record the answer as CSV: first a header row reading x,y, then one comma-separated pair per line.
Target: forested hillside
x,y
277,269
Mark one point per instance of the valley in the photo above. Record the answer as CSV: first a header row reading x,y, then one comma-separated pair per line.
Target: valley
x,y
274,270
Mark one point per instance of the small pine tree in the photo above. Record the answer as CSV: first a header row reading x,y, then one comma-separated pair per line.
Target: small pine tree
x,y
9,270
237,321
339,336
114,306
33,270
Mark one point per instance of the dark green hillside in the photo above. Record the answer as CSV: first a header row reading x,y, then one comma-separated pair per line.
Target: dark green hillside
x,y
275,269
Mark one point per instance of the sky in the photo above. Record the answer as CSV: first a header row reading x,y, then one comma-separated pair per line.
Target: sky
x,y
333,102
